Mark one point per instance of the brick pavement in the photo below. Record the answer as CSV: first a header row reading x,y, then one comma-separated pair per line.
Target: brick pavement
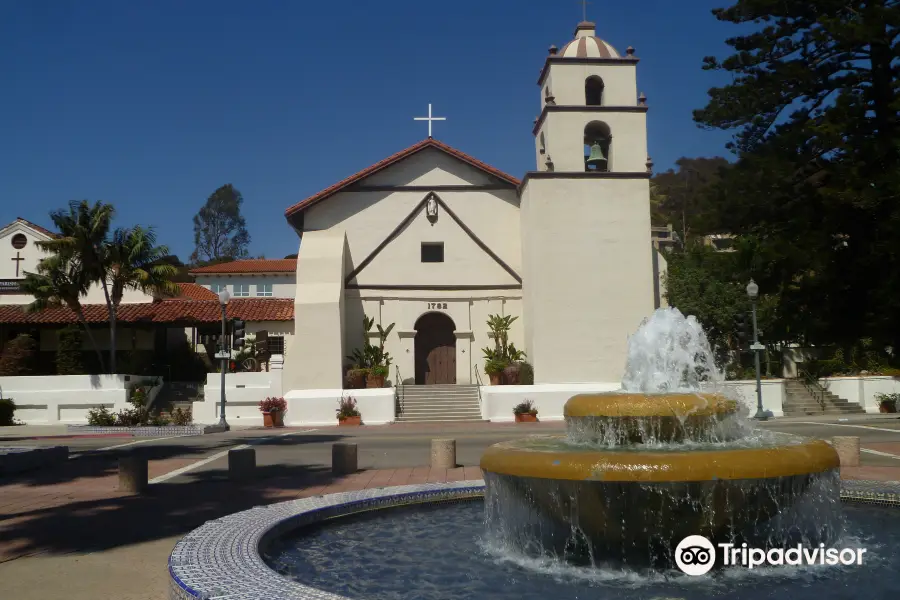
x,y
73,522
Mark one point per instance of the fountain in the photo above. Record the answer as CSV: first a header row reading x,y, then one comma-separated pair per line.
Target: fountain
x,y
595,513
668,456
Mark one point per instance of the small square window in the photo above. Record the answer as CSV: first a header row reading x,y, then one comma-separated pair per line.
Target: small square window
x,y
263,289
241,290
432,252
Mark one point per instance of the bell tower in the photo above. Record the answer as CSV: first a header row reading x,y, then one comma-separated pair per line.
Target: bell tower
x,y
585,214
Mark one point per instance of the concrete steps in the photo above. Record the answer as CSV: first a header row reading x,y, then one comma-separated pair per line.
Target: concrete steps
x,y
438,403
800,402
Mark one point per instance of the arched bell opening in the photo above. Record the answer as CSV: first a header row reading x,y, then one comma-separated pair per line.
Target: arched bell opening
x,y
593,91
597,146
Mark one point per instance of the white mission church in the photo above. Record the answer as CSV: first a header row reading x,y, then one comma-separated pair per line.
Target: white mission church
x,y
434,241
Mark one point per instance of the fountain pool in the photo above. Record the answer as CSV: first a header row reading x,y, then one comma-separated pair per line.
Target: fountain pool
x,y
596,513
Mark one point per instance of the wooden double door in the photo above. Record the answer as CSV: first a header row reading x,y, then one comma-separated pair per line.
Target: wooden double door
x,y
435,347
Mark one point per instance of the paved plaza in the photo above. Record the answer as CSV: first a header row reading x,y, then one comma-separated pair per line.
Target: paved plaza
x,y
68,532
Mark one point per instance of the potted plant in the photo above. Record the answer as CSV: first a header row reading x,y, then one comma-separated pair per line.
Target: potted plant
x,y
525,412
502,362
356,377
371,360
493,368
347,413
375,378
887,403
273,410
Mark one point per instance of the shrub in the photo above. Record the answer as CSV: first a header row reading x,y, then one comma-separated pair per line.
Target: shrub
x,y
7,408
347,408
18,356
273,405
158,421
525,408
132,417
182,417
101,417
526,373
68,354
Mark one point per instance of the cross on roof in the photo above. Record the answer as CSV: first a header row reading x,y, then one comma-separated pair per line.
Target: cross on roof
x,y
429,118
584,4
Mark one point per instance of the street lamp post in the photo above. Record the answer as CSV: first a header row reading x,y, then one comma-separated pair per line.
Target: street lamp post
x,y
753,294
224,297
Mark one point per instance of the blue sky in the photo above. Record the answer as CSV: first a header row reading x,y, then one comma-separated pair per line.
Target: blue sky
x,y
153,105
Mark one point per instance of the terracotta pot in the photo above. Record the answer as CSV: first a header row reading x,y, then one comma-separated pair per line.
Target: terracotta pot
x,y
268,419
526,418
511,375
495,378
374,381
349,421
887,407
278,416
356,379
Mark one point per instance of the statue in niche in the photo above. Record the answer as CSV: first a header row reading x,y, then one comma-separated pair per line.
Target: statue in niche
x,y
431,209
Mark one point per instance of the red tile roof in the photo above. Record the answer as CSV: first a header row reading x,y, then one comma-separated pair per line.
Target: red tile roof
x,y
28,223
390,160
253,265
194,291
174,311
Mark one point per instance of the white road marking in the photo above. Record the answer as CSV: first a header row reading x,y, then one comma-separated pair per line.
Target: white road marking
x,y
879,453
897,431
134,443
218,455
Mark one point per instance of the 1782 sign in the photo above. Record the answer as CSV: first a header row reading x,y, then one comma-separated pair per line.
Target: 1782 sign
x,y
437,305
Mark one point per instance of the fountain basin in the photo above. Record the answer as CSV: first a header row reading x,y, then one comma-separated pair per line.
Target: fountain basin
x,y
618,418
636,505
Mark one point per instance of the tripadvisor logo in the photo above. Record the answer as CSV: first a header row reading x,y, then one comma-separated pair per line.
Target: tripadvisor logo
x,y
696,555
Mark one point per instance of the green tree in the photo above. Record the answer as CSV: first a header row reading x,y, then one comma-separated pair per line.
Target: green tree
x,y
131,260
220,231
68,352
680,197
814,102
18,356
83,231
60,281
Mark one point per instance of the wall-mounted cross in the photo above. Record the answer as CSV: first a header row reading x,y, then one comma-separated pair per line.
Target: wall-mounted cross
x,y
18,260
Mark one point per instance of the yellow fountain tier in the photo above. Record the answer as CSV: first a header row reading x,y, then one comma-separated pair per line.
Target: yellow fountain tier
x,y
630,405
520,460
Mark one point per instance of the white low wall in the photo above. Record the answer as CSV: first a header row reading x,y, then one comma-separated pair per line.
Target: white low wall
x,y
862,390
243,392
319,407
498,401
772,395
66,399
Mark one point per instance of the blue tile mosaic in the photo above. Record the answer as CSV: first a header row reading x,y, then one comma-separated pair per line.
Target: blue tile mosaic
x,y
222,559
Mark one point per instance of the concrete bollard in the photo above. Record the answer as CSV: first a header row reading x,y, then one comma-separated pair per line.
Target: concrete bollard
x,y
443,454
847,447
241,463
133,473
343,459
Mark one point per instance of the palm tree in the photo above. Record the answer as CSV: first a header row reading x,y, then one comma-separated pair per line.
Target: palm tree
x,y
83,231
60,281
132,260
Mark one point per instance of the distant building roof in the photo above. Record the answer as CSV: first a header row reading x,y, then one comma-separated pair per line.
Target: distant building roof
x,y
175,311
253,265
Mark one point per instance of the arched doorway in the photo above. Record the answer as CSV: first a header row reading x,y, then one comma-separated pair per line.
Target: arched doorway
x,y
435,348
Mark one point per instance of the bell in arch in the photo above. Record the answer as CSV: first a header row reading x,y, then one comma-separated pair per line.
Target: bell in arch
x,y
596,158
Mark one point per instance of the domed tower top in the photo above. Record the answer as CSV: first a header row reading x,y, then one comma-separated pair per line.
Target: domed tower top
x,y
587,45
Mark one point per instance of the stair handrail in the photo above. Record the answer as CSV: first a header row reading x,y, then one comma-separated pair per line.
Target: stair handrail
x,y
812,385
398,391
479,383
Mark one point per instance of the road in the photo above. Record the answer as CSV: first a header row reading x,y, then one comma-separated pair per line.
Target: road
x,y
406,445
